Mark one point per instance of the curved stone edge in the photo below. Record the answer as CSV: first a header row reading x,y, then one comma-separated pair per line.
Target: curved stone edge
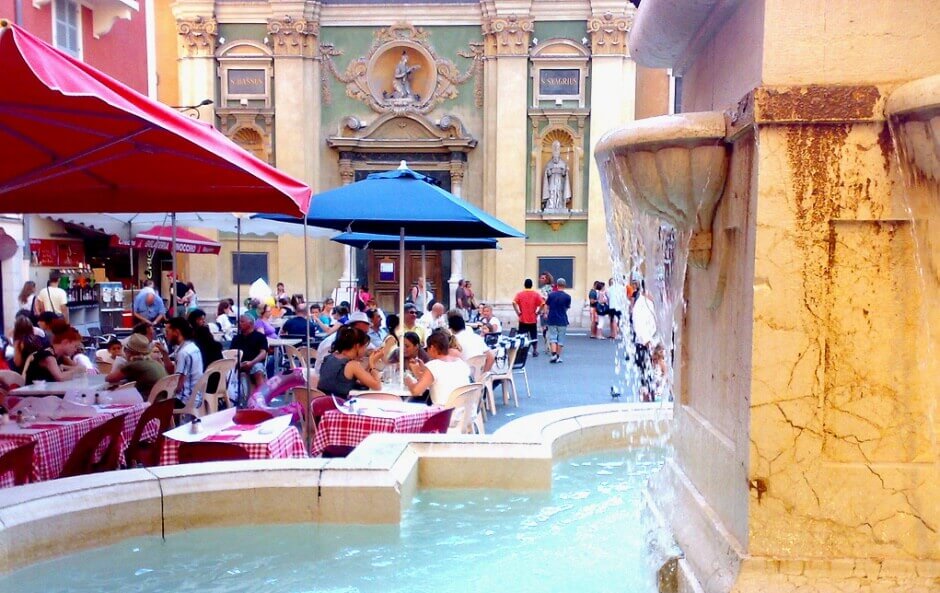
x,y
915,97
373,485
680,129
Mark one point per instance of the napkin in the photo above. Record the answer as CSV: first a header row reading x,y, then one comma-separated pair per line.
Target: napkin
x,y
44,407
70,408
121,396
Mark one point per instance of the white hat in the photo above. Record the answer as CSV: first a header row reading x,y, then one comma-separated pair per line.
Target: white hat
x,y
358,316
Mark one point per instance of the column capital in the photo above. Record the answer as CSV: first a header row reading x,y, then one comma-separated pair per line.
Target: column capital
x,y
609,34
197,37
508,36
294,37
457,170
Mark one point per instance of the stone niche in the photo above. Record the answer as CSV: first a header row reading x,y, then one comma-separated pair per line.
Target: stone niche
x,y
246,113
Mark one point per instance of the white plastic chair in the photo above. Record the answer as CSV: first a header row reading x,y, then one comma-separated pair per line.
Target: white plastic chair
x,y
468,416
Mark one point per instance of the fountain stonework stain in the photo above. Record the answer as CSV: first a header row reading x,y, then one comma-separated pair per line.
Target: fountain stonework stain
x,y
807,455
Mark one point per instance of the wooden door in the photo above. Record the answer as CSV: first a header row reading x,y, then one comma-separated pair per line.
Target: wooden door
x,y
384,272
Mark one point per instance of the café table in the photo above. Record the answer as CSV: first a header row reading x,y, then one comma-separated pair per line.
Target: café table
x,y
56,438
86,383
349,427
271,439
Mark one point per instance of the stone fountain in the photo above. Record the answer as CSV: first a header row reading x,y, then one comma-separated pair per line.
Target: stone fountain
x,y
806,449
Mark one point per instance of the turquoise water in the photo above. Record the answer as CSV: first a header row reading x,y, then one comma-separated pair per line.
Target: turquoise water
x,y
585,536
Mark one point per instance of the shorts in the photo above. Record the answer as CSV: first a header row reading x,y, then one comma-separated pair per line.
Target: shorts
x,y
256,368
529,329
557,333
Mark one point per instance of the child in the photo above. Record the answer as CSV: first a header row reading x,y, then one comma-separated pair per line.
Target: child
x,y
115,354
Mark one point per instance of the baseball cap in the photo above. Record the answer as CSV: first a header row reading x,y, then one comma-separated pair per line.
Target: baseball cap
x,y
358,316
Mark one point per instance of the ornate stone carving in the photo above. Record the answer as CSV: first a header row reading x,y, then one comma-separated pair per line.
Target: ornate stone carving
x,y
609,34
250,129
197,37
457,170
508,36
370,79
293,37
566,129
347,173
556,182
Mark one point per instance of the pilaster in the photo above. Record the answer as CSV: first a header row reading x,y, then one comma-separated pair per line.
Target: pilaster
x,y
197,38
506,78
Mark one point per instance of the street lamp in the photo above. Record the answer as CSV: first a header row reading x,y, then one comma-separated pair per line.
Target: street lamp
x,y
192,110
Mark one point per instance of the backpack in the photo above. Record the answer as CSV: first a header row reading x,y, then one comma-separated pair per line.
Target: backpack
x,y
602,306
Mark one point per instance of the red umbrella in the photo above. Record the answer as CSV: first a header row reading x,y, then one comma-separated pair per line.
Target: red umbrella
x,y
73,139
162,237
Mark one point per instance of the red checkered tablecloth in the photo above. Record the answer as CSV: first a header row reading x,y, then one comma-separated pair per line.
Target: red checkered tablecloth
x,y
339,428
286,445
56,443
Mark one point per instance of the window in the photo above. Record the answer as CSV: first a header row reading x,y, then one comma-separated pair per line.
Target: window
x,y
558,267
675,93
67,27
248,267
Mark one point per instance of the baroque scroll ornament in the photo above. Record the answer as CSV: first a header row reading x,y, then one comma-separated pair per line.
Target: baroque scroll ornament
x,y
398,37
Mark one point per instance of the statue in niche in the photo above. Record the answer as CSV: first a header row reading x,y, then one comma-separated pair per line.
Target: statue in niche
x,y
401,82
556,183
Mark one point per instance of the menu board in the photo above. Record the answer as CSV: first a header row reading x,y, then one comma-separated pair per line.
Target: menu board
x,y
54,253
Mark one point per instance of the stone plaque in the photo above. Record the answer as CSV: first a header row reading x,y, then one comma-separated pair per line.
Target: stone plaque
x,y
246,82
558,81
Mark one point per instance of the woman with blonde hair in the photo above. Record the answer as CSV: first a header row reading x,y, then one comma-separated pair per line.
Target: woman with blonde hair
x,y
27,298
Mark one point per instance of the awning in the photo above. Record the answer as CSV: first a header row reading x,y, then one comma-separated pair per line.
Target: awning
x,y
161,239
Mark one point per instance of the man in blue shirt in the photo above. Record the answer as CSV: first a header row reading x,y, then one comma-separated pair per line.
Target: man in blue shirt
x,y
296,326
558,304
150,309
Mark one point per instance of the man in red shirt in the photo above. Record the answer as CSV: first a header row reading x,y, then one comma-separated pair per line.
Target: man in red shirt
x,y
528,304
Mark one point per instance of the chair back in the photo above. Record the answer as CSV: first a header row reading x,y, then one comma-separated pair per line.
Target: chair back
x,y
294,358
12,378
476,366
438,423
308,354
19,461
165,388
320,406
83,459
147,453
210,399
103,368
513,331
379,395
251,416
517,358
465,402
199,452
230,354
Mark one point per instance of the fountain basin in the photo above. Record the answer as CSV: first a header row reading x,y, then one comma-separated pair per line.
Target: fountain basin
x,y
914,110
672,167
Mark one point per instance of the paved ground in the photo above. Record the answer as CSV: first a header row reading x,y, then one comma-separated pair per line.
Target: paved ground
x,y
584,378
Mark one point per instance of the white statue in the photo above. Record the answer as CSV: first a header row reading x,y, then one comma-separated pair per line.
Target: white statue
x,y
556,183
401,83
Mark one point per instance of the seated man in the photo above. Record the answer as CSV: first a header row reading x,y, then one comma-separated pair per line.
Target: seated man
x,y
488,323
297,325
438,317
186,359
470,343
253,347
150,309
410,324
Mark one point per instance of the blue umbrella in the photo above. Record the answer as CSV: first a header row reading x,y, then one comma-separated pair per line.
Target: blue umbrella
x,y
401,201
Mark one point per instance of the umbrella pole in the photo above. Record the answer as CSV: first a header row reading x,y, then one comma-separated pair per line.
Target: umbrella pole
x,y
424,276
306,362
173,256
238,304
130,241
401,307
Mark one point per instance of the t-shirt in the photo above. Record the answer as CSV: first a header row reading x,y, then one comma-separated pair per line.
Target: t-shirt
x,y
529,302
333,379
146,372
558,304
470,344
251,345
448,376
417,328
188,364
53,299
297,326
35,371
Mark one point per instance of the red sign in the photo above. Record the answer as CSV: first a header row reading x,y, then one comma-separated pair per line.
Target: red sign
x,y
181,246
56,253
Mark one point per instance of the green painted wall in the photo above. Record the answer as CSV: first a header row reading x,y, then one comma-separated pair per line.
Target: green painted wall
x,y
242,31
575,30
573,231
356,42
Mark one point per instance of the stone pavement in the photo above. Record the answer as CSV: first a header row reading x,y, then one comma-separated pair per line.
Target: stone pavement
x,y
584,378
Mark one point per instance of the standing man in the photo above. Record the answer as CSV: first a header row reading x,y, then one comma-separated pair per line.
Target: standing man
x,y
558,303
253,347
150,310
644,336
528,304
52,298
186,359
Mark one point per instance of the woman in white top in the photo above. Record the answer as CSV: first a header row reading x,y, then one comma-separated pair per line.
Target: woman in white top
x,y
223,321
190,300
27,299
442,374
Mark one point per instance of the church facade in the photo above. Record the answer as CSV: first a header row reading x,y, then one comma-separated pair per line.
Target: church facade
x,y
501,102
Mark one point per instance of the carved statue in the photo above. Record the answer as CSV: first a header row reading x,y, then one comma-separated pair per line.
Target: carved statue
x,y
556,184
401,83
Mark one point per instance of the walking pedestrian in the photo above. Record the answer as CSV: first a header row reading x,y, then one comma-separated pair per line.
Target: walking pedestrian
x,y
644,330
528,304
558,303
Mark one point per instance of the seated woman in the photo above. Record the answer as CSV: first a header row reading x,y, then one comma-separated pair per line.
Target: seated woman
x,y
25,342
342,371
223,318
412,349
444,373
44,364
263,324
140,366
